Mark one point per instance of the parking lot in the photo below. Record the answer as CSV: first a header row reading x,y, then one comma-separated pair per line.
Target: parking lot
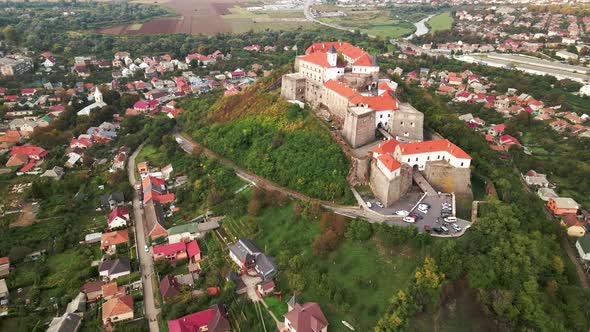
x,y
432,218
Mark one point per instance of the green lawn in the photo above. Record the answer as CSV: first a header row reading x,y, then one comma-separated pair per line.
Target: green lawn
x,y
277,307
242,20
440,22
363,275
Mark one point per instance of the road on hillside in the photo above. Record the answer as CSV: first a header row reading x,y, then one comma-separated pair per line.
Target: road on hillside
x,y
145,260
188,145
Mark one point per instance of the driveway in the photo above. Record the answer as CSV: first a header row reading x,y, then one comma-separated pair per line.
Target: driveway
x,y
251,283
145,259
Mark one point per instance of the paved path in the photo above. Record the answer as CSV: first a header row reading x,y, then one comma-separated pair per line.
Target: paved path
x,y
145,260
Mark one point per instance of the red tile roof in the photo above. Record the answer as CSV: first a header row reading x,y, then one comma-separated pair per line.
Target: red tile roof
x,y
29,150
320,59
192,322
169,249
347,49
364,61
120,212
433,146
193,249
342,89
114,238
4,260
384,102
27,167
386,147
389,162
117,306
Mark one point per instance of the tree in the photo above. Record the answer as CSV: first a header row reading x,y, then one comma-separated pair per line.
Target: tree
x,y
359,230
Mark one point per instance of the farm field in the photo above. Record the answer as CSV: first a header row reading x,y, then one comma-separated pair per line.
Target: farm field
x,y
211,16
374,23
440,22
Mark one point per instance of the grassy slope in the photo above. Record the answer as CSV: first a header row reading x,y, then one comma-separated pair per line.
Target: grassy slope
x,y
387,270
263,133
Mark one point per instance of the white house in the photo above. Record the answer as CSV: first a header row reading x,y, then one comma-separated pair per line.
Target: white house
x,y
583,246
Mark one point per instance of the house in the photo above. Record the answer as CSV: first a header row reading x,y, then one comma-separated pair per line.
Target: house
x,y
111,201
172,252
497,130
109,241
583,246
154,218
68,322
112,269
169,287
31,151
92,289
192,231
546,193
213,319
143,167
575,227
92,238
112,290
77,305
265,288
562,205
536,180
4,294
305,318
4,266
117,309
247,256
167,171
508,141
98,103
118,218
56,173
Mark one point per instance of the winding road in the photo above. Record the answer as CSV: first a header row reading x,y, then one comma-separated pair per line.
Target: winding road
x,y
145,259
309,16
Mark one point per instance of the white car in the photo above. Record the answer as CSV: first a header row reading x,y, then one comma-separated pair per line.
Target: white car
x,y
147,249
409,219
402,213
369,205
423,209
424,206
379,204
456,227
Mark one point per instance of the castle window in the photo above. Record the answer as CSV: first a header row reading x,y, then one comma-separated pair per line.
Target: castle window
x,y
408,159
438,157
402,123
461,164
416,159
428,158
412,124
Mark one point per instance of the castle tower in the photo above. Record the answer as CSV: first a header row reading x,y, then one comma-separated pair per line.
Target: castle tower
x,y
332,56
98,96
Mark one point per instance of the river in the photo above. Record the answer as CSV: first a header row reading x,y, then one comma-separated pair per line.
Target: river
x,y
421,28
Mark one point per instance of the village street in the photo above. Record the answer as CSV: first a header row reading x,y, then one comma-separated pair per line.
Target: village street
x,y
145,259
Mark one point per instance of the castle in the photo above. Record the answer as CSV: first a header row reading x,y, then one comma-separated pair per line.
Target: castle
x,y
344,80
444,165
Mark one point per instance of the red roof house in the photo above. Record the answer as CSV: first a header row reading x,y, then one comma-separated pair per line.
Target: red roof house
x,y
213,319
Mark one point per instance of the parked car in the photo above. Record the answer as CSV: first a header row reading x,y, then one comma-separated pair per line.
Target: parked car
x,y
445,214
425,205
437,230
422,209
379,204
444,229
415,216
147,249
450,219
427,228
456,227
409,219
401,213
369,205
